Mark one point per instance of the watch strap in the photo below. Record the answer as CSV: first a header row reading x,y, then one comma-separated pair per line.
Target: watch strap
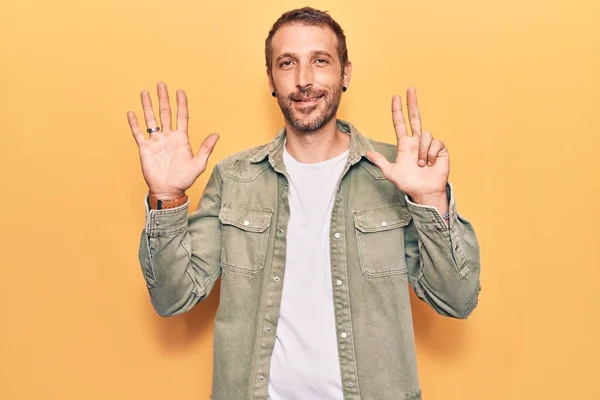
x,y
156,204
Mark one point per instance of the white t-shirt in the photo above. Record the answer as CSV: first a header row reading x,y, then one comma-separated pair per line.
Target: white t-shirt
x,y
305,363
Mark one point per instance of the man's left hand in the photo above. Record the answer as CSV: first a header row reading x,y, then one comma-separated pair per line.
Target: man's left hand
x,y
422,165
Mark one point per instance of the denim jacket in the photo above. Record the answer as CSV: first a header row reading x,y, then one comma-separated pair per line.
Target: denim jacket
x,y
380,242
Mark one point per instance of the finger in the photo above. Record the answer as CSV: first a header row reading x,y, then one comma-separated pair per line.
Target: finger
x,y
148,112
138,135
435,149
398,117
182,111
413,111
378,159
424,144
206,148
164,106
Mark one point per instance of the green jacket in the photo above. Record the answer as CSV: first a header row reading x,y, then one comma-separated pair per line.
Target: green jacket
x,y
379,243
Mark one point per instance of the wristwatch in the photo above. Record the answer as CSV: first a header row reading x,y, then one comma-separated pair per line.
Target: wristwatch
x,y
157,204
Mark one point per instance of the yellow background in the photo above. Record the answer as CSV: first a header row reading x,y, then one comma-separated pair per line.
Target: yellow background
x,y
512,87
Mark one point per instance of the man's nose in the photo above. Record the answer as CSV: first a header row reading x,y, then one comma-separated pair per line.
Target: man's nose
x,y
304,78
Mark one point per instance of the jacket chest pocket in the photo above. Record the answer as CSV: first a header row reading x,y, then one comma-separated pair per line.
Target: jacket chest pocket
x,y
245,234
380,237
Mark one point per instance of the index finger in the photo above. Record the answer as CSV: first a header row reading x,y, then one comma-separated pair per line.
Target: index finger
x,y
398,117
413,111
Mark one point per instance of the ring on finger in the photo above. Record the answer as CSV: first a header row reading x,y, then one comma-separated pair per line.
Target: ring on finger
x,y
153,130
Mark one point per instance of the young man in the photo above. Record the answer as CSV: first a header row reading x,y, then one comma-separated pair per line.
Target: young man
x,y
315,235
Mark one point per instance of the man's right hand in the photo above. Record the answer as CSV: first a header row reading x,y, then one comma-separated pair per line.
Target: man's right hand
x,y
168,164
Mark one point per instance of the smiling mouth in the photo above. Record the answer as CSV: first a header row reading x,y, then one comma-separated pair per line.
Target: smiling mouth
x,y
307,99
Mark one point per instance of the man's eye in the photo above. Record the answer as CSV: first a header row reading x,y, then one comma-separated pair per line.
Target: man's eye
x,y
285,64
321,61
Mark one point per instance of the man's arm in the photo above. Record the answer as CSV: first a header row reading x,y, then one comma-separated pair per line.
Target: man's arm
x,y
180,255
177,274
443,259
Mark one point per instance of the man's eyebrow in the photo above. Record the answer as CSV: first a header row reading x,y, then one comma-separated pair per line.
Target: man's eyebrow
x,y
322,53
314,53
285,55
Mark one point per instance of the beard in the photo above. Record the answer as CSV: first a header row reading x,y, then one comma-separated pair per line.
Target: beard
x,y
311,118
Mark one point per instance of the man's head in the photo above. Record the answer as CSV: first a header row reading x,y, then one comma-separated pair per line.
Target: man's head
x,y
307,66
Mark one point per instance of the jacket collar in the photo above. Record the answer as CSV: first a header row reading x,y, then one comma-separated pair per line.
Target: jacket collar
x,y
359,145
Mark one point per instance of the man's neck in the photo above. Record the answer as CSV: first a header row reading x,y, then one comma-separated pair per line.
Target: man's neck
x,y
320,145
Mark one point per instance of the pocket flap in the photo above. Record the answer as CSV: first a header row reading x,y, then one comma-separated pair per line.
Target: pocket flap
x,y
381,219
248,219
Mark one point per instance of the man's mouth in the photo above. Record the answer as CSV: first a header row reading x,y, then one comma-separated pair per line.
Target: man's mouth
x,y
306,99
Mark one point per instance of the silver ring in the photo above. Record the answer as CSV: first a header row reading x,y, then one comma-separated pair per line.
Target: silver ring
x,y
153,130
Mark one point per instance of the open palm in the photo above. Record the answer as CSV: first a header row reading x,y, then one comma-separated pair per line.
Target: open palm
x,y
168,163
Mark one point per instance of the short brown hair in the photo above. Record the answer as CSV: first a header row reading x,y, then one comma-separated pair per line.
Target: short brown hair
x,y
307,16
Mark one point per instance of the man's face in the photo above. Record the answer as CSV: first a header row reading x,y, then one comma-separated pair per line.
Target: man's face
x,y
307,75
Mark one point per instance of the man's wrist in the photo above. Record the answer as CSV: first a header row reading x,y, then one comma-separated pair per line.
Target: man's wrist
x,y
439,201
165,196
166,201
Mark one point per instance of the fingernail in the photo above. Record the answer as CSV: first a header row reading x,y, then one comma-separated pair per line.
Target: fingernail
x,y
429,163
422,163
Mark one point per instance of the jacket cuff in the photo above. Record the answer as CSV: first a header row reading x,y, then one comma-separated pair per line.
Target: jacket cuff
x,y
428,216
166,222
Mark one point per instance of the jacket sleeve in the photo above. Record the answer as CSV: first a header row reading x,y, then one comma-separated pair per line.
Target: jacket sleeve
x,y
180,255
443,260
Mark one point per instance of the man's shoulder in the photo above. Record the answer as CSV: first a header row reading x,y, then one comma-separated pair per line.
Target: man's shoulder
x,y
243,165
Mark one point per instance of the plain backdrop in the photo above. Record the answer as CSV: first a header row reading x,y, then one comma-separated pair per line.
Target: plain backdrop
x,y
511,87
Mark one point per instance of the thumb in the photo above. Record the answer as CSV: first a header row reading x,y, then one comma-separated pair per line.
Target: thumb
x,y
206,148
378,159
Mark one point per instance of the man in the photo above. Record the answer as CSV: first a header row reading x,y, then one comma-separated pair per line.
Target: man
x,y
315,235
